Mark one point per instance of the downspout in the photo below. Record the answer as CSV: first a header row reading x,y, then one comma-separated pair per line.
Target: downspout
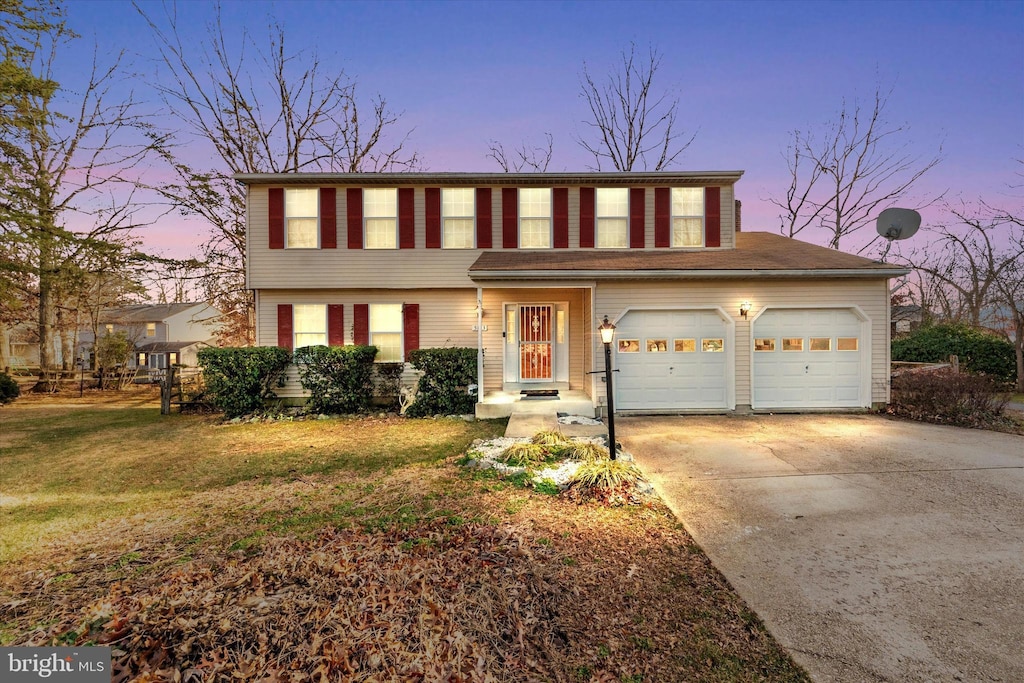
x,y
479,344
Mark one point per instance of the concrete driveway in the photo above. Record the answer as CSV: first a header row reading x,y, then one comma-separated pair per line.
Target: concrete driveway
x,y
874,549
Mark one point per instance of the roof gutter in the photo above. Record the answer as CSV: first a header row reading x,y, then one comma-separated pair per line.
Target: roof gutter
x,y
685,274
566,178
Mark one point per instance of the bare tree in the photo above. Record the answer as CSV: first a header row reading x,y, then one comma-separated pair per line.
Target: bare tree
x,y
68,173
522,158
842,179
632,124
261,110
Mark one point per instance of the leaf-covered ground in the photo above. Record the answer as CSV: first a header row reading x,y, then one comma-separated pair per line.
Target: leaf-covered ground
x,y
425,572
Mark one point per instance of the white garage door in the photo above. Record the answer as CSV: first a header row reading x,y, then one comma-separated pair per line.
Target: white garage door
x,y
808,358
671,360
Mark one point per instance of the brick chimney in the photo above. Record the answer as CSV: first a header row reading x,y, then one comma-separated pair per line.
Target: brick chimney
x,y
739,214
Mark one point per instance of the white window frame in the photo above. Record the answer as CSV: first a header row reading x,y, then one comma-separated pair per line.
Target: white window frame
x,y
400,332
303,216
688,216
605,217
447,216
379,216
525,216
321,330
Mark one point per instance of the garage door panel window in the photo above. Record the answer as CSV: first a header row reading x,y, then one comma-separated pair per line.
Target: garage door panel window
x,y
657,345
792,344
846,344
821,343
712,345
764,344
685,345
629,346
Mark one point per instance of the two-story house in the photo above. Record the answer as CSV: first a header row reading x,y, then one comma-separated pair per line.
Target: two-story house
x,y
524,267
163,334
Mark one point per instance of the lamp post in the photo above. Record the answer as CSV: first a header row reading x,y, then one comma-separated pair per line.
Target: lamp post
x,y
607,331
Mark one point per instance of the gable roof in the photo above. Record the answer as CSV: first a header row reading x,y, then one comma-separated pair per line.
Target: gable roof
x,y
143,313
759,254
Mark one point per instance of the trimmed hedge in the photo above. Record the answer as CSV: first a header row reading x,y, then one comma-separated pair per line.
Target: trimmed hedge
x,y
239,380
979,351
444,387
9,389
339,379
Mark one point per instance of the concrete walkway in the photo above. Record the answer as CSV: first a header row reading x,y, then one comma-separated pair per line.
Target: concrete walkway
x,y
874,549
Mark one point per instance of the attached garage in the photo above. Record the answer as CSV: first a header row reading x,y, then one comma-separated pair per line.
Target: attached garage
x,y
674,360
810,358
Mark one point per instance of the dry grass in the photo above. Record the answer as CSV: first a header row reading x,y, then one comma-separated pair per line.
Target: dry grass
x,y
355,550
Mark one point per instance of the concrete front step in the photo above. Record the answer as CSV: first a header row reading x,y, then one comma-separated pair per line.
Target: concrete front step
x,y
504,404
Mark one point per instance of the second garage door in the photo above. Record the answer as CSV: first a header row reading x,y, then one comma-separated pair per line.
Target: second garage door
x,y
808,358
672,360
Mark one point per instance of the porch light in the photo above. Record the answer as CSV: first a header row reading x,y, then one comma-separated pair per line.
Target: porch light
x,y
744,309
607,330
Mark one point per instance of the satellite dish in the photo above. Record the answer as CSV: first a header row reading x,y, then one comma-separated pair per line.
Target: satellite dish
x,y
898,224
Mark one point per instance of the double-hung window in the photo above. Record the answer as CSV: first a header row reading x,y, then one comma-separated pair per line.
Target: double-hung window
x,y
457,212
150,329
309,325
386,331
302,223
612,217
380,213
687,216
535,218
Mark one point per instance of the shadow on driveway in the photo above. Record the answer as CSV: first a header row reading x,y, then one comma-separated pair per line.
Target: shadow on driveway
x,y
874,549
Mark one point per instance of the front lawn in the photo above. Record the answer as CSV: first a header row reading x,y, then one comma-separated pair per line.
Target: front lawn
x,y
352,548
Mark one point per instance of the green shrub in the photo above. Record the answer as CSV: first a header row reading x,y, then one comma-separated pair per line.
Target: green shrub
x,y
9,389
387,382
444,387
979,351
338,378
239,380
947,397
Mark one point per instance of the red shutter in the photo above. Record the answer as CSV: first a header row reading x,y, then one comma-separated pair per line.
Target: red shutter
x,y
411,328
328,218
586,217
406,218
335,324
355,217
275,200
662,217
712,216
433,199
509,217
560,206
483,218
361,324
284,326
637,197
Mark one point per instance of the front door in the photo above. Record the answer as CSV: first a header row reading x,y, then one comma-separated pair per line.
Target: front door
x,y
535,343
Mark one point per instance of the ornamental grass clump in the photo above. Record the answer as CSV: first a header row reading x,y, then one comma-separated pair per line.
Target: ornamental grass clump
x,y
526,455
585,451
549,438
605,474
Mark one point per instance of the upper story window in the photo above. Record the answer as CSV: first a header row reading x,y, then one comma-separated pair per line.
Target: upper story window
x,y
380,215
458,206
687,216
386,331
150,329
534,218
301,212
612,217
309,325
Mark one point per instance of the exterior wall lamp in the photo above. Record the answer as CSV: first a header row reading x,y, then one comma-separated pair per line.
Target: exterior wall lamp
x,y
744,309
607,330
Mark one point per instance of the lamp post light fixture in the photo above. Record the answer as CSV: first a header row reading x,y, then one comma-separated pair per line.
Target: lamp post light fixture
x,y
607,331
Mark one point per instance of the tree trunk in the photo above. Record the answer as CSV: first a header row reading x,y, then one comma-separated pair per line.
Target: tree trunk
x,y
1018,347
5,347
47,313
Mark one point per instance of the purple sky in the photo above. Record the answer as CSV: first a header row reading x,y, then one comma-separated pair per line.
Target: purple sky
x,y
747,73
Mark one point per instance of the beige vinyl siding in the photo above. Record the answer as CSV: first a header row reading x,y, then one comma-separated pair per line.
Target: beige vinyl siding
x,y
494,341
728,202
447,317
612,299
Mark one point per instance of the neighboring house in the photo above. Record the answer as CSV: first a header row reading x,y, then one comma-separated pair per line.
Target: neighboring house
x,y
906,319
524,267
163,334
